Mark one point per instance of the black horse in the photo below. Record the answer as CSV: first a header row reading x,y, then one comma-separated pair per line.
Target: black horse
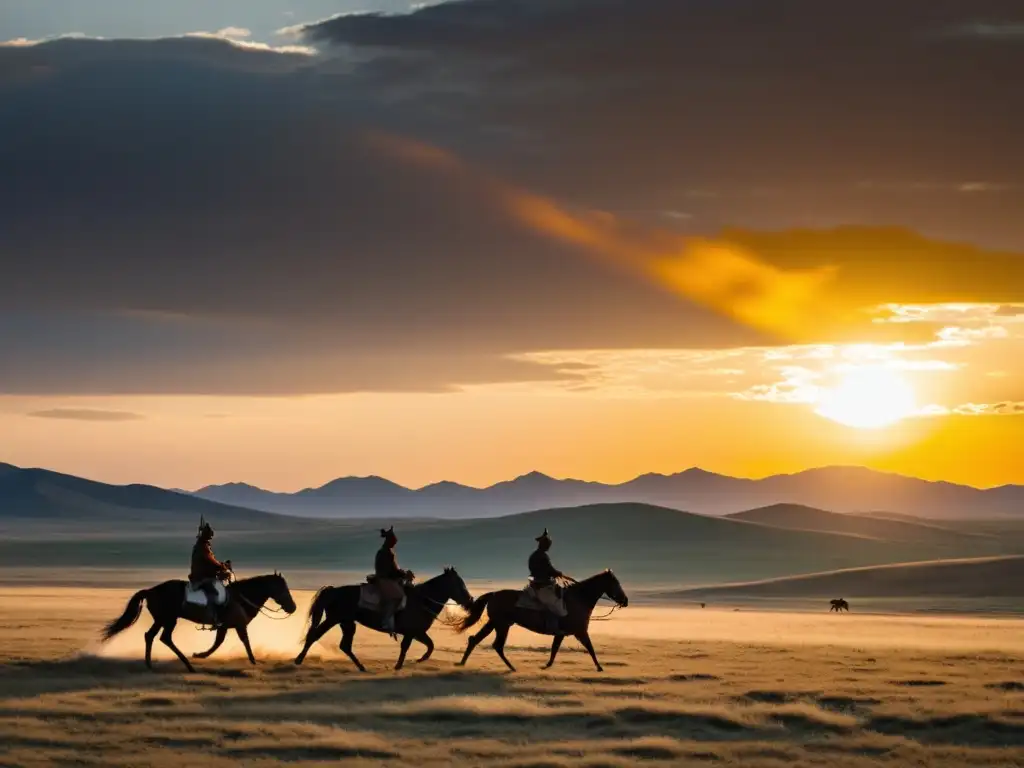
x,y
166,604
502,613
839,605
424,603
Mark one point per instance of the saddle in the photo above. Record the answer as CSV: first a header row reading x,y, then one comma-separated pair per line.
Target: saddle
x,y
196,595
369,596
529,600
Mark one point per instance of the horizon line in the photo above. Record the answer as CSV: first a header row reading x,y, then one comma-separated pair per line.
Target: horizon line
x,y
535,472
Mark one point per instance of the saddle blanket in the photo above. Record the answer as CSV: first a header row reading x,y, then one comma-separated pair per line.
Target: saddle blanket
x,y
196,596
528,599
369,598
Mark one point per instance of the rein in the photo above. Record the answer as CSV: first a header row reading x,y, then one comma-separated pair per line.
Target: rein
x,y
606,616
261,609
440,604
264,610
602,596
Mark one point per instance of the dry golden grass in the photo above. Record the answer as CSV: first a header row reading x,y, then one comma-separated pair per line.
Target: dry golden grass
x,y
680,687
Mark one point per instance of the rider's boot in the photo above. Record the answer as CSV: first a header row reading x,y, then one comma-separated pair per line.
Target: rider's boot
x,y
388,621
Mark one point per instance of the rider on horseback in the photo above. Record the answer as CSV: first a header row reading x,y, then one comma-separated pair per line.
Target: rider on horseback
x,y
390,579
206,569
543,575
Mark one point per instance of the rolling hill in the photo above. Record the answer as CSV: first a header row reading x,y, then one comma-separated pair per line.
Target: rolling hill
x,y
840,489
37,501
993,577
911,530
64,521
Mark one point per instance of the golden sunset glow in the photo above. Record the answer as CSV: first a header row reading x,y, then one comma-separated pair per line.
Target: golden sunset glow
x,y
868,398
467,306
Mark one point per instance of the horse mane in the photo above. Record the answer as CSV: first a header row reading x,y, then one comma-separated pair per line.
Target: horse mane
x,y
591,579
263,577
421,584
596,576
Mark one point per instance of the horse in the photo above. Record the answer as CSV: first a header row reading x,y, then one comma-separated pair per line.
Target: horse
x,y
502,613
839,605
166,604
424,602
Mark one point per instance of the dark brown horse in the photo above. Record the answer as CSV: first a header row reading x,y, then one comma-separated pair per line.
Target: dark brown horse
x,y
424,603
839,605
166,604
502,613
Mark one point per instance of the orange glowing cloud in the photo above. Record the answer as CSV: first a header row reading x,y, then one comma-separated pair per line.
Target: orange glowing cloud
x,y
715,273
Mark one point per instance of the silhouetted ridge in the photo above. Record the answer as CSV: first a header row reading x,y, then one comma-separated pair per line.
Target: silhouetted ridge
x,y
840,489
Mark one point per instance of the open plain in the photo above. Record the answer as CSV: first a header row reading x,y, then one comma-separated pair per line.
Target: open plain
x,y
681,686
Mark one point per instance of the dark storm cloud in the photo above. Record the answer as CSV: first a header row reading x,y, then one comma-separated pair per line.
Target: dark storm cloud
x,y
785,108
177,189
210,217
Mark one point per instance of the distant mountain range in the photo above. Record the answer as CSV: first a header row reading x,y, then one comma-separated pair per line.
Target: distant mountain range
x,y
60,521
38,499
841,489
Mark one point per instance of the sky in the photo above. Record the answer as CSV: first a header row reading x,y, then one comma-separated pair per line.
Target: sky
x,y
281,242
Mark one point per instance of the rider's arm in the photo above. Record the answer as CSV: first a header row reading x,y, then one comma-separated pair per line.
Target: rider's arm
x,y
554,572
212,560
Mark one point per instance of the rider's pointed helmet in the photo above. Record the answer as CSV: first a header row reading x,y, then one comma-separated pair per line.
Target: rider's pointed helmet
x,y
389,535
205,529
544,537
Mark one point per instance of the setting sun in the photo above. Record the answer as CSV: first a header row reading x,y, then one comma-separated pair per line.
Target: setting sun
x,y
868,398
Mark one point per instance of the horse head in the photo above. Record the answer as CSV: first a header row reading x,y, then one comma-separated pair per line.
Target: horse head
x,y
613,588
280,593
456,588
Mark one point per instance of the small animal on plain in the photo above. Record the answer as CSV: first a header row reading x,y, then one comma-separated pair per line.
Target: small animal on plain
x,y
839,605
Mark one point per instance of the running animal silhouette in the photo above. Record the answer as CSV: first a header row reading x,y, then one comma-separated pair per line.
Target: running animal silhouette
x,y
839,605
424,602
166,604
502,614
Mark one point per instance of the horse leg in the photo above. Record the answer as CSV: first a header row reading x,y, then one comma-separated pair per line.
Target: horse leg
x,y
474,641
166,639
500,636
406,642
555,645
151,634
243,635
348,633
424,638
218,641
584,638
315,633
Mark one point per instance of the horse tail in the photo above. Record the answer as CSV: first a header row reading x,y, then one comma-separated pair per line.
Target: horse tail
x,y
317,607
131,614
475,612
